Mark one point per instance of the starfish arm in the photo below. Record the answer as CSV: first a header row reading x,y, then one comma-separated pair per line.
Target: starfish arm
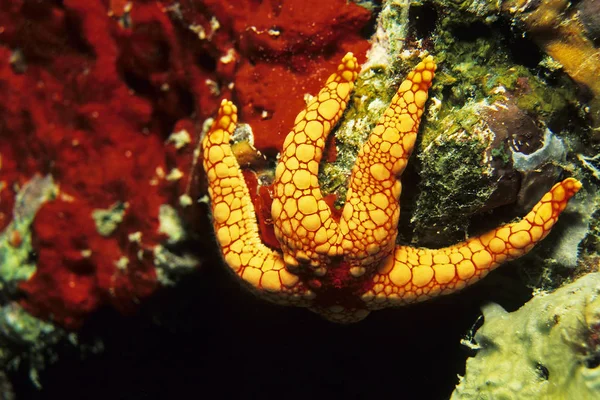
x,y
418,274
370,216
234,218
302,219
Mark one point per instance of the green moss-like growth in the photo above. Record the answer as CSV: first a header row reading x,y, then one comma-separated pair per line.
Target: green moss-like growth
x,y
22,336
548,349
171,265
480,60
15,262
455,183
470,10
108,220
26,339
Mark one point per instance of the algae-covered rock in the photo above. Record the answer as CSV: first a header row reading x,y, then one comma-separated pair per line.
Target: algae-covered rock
x,y
548,349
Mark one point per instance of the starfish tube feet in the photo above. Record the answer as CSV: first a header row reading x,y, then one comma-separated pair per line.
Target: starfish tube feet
x,y
417,274
234,218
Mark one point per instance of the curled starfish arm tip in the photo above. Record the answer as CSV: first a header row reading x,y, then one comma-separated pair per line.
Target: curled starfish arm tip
x,y
234,218
417,274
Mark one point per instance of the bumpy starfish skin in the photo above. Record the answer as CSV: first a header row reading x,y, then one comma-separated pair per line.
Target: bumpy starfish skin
x,y
344,269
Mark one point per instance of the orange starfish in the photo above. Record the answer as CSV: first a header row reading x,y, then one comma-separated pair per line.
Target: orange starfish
x,y
343,269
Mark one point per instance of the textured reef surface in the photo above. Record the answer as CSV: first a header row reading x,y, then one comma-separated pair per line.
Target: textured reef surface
x,y
102,106
548,349
104,103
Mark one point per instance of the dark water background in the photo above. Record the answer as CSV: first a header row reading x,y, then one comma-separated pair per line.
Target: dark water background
x,y
209,338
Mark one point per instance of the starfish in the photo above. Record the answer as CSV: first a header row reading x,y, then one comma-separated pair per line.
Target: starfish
x,y
342,268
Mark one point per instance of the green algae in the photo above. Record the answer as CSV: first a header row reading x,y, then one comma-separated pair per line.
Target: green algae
x,y
170,224
453,174
483,70
466,10
16,263
169,265
23,336
26,341
26,338
447,198
108,220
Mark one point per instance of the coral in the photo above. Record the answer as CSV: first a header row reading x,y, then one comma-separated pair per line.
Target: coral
x,y
106,100
548,349
70,115
272,48
104,103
